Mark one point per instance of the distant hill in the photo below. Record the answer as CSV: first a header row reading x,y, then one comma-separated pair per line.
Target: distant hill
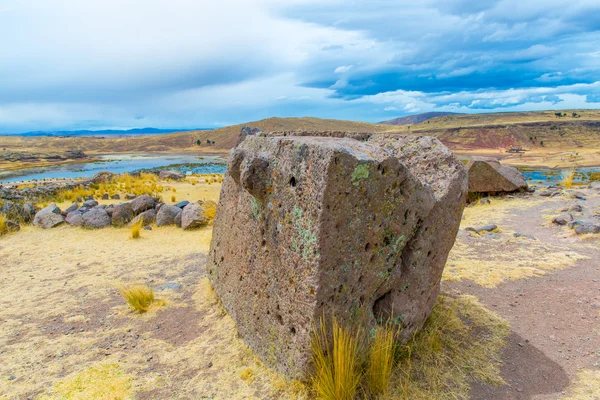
x,y
103,132
415,119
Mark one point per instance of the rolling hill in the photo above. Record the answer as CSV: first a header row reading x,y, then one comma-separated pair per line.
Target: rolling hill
x,y
417,118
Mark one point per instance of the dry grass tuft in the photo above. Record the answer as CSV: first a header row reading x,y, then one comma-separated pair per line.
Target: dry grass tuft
x,y
461,340
586,386
136,229
173,199
3,225
139,297
381,360
104,382
337,364
210,209
567,176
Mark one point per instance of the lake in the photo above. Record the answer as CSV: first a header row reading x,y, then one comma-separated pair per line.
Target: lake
x,y
547,176
119,164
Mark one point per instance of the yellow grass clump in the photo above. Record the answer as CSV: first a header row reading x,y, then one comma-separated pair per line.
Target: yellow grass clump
x,y
567,176
3,225
139,297
586,386
136,229
381,360
101,382
337,365
173,199
210,209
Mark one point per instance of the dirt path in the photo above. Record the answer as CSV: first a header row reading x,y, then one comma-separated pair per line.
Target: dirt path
x,y
555,318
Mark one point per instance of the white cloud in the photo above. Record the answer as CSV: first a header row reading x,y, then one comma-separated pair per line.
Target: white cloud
x,y
342,69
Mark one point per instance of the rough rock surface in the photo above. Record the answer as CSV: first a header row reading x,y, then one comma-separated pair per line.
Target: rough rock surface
x,y
487,175
178,220
74,218
102,177
89,203
166,215
48,217
171,174
142,203
96,218
194,215
147,217
309,226
122,214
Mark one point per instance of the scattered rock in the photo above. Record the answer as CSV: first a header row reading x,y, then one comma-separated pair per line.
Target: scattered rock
x,y
130,196
96,218
562,219
166,215
548,193
487,175
29,211
584,229
577,195
72,208
48,217
142,203
11,210
122,214
194,215
482,229
75,218
102,177
147,217
331,225
105,196
485,201
522,235
116,196
576,208
574,224
178,220
182,204
89,204
89,198
147,228
171,174
11,378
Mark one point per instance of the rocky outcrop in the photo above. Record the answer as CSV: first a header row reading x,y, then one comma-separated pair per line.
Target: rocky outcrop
x,y
48,217
310,226
103,177
166,215
142,203
147,217
487,175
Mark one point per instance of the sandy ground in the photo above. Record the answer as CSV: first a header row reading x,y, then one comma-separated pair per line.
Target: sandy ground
x,y
546,158
62,320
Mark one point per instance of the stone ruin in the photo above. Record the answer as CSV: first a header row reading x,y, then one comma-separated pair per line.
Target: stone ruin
x,y
312,224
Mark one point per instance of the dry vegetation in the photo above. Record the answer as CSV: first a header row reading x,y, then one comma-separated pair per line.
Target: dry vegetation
x,y
139,297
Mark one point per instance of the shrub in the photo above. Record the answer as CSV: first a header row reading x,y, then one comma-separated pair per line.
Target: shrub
x,y
567,176
381,360
337,365
136,229
139,297
173,199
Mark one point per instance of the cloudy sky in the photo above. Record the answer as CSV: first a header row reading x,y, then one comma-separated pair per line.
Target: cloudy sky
x,y
74,64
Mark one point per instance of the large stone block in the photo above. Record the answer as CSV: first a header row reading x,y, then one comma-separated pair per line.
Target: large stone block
x,y
309,226
487,175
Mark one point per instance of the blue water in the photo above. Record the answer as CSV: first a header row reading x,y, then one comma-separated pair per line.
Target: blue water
x,y
548,176
118,164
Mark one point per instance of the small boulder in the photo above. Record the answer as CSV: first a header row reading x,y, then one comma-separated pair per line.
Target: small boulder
x,y
74,218
584,229
171,174
29,211
182,204
105,196
11,210
562,219
574,224
166,215
195,215
96,218
90,203
116,196
576,208
147,217
122,214
142,203
522,235
487,175
130,196
71,208
178,220
89,198
102,177
48,217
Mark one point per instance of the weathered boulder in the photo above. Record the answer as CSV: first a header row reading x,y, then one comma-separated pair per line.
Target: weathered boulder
x,y
89,203
29,211
122,214
147,217
105,196
96,218
312,226
116,196
587,228
75,218
11,210
166,215
130,196
171,174
71,208
487,175
142,203
178,220
48,217
196,215
562,219
102,177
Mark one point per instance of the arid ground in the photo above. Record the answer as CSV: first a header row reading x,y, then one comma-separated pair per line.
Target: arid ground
x,y
531,331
